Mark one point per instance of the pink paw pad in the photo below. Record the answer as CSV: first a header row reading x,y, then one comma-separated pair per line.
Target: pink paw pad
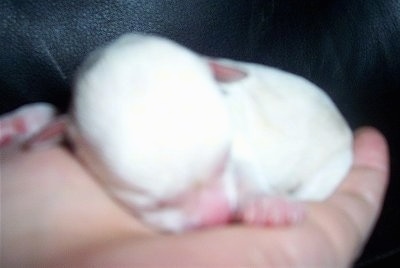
x,y
271,211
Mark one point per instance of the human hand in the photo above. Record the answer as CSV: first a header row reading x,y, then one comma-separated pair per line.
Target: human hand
x,y
332,235
52,208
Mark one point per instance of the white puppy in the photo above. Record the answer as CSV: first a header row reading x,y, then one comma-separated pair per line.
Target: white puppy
x,y
185,142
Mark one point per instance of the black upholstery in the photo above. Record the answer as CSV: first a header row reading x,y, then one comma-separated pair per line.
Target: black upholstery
x,y
351,48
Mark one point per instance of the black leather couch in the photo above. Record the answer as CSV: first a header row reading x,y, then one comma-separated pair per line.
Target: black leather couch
x,y
351,48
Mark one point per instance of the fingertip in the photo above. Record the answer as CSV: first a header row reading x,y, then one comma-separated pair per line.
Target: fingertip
x,y
371,149
362,192
359,198
368,178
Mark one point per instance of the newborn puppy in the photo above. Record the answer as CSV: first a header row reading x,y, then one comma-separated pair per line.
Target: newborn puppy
x,y
289,140
185,142
150,121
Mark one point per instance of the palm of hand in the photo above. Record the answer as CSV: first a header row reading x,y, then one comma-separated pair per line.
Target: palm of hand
x,y
52,216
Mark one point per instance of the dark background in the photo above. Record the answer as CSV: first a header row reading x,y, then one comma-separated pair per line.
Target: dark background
x,y
350,48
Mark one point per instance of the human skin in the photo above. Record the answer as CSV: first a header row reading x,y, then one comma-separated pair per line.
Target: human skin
x,y
54,213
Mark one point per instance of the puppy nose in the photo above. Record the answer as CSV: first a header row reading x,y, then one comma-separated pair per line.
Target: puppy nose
x,y
226,74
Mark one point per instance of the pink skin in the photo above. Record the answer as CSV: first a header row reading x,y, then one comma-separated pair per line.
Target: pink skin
x,y
203,208
22,124
53,132
209,205
10,129
271,211
225,74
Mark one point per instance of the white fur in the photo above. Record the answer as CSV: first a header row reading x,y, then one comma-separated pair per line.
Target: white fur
x,y
290,139
155,121
154,113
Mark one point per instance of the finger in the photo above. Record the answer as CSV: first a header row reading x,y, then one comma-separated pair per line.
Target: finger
x,y
368,177
348,215
359,199
371,150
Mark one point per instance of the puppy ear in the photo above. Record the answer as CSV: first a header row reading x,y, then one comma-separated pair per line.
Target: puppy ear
x,y
226,74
